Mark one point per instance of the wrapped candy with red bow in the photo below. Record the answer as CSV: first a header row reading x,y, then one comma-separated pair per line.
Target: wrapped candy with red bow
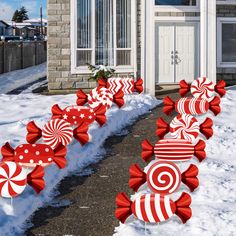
x,y
153,208
202,88
163,177
127,85
14,179
31,155
100,96
184,127
173,150
57,131
191,106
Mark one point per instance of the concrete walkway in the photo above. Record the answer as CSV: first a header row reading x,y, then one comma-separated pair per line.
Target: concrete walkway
x,y
90,200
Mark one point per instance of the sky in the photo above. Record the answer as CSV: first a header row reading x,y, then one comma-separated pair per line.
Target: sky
x,y
7,8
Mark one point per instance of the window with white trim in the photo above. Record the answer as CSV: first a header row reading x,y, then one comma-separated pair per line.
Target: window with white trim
x,y
226,42
104,33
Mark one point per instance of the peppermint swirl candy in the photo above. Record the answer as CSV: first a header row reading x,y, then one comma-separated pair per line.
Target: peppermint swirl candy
x,y
13,179
202,88
163,177
57,131
100,95
184,127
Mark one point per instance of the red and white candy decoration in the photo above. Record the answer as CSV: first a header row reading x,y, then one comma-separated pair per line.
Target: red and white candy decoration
x,y
100,96
13,179
173,150
153,208
184,127
31,155
191,106
127,85
202,88
163,177
55,132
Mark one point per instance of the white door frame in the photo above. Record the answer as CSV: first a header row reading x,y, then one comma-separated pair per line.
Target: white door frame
x,y
188,20
207,42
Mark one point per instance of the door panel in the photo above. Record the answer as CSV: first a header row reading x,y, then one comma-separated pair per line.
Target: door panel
x,y
182,40
164,47
185,52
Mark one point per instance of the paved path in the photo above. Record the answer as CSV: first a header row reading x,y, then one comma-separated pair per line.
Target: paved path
x,y
92,197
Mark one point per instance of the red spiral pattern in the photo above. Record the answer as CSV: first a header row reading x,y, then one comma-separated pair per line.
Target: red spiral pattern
x,y
202,88
163,177
57,131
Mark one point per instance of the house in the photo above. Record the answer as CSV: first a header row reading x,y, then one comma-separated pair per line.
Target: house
x,y
163,41
38,25
5,29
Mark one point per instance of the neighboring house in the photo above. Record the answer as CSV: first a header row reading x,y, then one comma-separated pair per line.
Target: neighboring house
x,y
5,29
38,25
163,41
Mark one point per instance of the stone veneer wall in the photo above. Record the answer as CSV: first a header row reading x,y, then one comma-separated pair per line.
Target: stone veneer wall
x,y
228,74
59,54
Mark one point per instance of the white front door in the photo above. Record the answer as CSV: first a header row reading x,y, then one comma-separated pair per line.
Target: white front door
x,y
176,52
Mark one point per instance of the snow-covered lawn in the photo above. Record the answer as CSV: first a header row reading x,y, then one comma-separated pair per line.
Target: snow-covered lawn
x,y
17,110
18,78
214,203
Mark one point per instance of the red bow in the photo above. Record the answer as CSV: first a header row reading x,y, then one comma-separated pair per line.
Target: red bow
x,y
7,152
215,105
56,112
35,179
123,209
199,150
34,132
220,88
59,156
184,88
147,150
118,98
82,98
100,114
162,128
183,211
81,134
138,85
137,177
169,105
206,128
189,177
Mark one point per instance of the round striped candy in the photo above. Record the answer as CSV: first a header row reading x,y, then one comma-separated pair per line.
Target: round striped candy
x,y
100,95
185,127
163,177
13,179
192,106
56,132
203,88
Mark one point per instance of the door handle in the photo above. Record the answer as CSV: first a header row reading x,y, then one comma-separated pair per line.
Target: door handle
x,y
177,60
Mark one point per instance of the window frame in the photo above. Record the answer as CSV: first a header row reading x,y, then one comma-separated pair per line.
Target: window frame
x,y
119,69
220,22
177,8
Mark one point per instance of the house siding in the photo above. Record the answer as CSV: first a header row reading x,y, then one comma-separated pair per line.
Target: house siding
x,y
59,48
227,74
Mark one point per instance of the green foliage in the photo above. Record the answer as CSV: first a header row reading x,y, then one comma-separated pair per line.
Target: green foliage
x,y
20,15
100,72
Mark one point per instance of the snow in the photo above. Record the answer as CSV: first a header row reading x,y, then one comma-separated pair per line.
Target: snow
x,y
17,110
15,79
214,203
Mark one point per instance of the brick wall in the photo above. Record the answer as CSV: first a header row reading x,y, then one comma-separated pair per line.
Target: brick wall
x,y
228,74
59,56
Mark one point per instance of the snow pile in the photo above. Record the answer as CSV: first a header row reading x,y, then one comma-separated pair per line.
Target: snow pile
x,y
17,110
214,203
15,79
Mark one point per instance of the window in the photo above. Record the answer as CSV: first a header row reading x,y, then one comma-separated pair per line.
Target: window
x,y
226,42
176,2
104,33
